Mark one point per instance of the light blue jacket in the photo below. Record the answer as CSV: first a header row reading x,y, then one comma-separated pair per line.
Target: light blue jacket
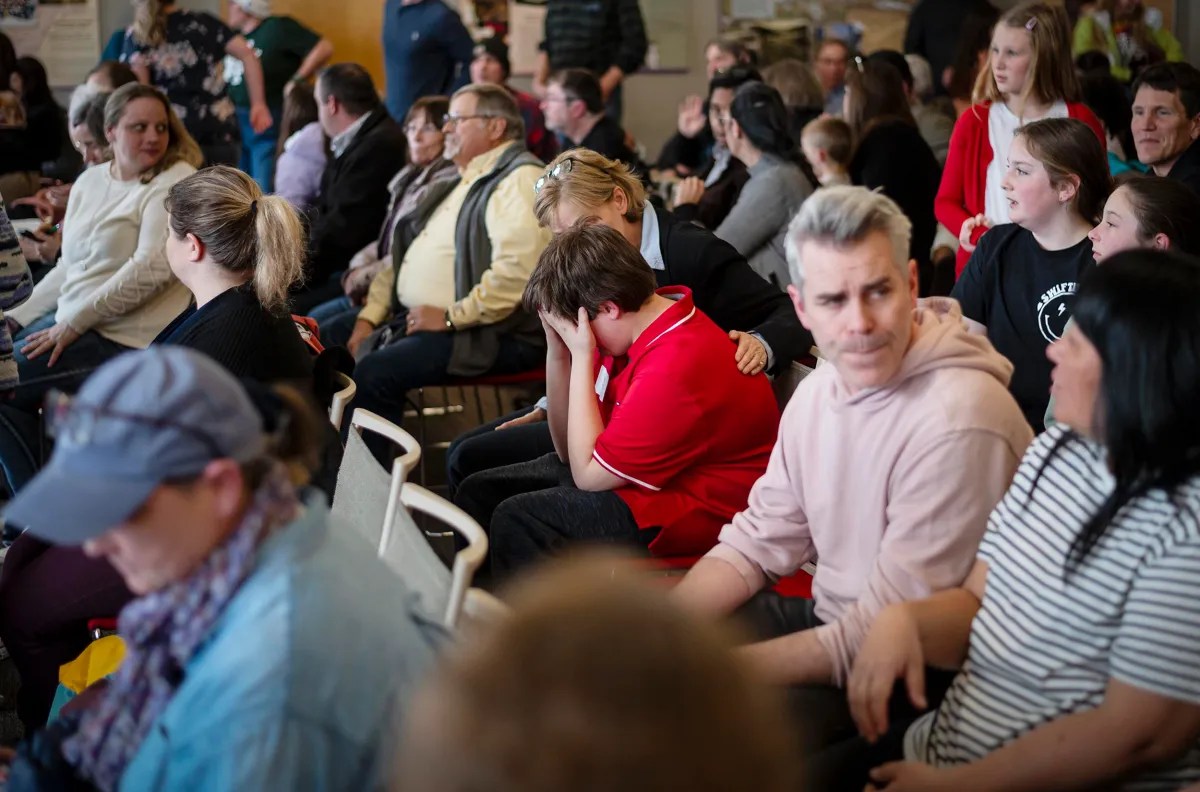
x,y
301,682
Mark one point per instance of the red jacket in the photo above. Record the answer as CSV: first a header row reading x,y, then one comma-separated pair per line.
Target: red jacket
x,y
964,178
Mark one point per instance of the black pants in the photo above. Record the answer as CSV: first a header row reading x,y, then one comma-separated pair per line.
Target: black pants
x,y
484,448
533,510
835,756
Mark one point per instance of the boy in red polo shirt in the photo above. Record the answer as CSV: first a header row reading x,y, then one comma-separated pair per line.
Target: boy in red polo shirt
x,y
658,436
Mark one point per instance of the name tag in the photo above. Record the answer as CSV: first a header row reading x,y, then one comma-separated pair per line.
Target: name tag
x,y
602,383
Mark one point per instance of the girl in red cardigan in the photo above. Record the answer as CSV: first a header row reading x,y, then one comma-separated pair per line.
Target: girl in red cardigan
x,y
1029,76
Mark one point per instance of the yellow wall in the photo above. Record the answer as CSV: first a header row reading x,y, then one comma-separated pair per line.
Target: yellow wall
x,y
354,27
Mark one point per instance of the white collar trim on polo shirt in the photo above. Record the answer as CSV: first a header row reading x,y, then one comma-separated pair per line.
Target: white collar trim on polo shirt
x,y
652,239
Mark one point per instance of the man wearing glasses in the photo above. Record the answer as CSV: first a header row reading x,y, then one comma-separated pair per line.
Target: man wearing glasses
x,y
450,305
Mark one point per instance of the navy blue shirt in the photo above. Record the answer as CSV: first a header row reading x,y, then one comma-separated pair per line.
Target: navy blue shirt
x,y
426,52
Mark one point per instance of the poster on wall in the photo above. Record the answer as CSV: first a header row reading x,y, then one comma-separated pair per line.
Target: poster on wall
x,y
63,34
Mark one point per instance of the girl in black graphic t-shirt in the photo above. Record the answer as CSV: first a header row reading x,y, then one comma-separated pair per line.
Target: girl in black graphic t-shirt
x,y
1021,279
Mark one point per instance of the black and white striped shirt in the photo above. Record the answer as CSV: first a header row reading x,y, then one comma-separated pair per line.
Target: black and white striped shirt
x,y
1043,645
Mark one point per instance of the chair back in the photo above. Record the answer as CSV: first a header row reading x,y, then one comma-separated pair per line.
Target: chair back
x,y
366,492
341,399
405,548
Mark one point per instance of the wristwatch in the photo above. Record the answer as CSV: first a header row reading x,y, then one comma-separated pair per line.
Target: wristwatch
x,y
449,324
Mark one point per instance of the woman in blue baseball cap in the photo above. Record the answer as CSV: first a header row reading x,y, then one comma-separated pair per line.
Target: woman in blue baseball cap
x,y
166,466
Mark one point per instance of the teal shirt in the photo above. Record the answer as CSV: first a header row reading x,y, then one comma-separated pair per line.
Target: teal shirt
x,y
301,681
282,44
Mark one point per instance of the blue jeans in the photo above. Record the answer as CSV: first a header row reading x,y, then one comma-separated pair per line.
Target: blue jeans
x,y
20,427
258,150
385,376
326,311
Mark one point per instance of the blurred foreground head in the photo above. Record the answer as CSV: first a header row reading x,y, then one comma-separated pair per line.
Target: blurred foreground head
x,y
595,682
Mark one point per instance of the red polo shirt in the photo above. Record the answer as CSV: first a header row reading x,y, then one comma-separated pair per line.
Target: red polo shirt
x,y
688,431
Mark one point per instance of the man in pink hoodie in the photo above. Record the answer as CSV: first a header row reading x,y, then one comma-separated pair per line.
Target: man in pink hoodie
x,y
889,460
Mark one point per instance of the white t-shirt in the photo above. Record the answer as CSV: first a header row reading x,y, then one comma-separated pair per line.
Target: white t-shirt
x,y
1045,644
1002,125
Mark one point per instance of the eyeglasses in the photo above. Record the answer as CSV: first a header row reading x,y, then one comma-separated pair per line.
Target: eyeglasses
x,y
450,119
558,171
71,422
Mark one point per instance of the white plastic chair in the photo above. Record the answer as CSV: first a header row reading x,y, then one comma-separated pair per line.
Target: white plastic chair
x,y
365,489
342,398
405,548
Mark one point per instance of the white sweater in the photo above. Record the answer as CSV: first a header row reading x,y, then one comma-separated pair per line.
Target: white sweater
x,y
113,276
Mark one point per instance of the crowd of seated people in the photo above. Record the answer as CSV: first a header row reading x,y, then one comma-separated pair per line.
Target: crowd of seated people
x,y
961,553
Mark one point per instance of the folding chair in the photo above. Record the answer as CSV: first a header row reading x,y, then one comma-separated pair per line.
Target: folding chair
x,y
405,547
365,489
341,399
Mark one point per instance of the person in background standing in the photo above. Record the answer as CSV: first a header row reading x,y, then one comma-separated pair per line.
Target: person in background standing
x,y
491,65
289,52
180,52
426,52
606,37
833,56
935,29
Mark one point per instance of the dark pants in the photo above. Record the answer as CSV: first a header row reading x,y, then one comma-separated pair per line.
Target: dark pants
x,y
484,448
221,154
337,329
47,596
385,376
835,756
533,510
20,427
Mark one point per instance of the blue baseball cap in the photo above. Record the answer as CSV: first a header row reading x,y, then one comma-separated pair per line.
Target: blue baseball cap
x,y
143,418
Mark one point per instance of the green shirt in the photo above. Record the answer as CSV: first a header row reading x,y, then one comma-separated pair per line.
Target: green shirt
x,y
282,44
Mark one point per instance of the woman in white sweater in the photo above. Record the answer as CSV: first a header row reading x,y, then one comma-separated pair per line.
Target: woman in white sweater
x,y
112,290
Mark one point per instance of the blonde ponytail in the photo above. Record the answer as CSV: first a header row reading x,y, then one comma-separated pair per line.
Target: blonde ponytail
x,y
245,232
279,264
149,25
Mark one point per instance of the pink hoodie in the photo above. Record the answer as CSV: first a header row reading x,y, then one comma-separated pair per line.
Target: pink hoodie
x,y
890,487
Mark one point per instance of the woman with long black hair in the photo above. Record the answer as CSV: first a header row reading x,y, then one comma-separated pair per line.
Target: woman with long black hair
x,y
758,133
1077,632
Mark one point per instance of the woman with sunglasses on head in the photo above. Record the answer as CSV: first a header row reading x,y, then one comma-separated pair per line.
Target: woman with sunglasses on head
x,y
758,133
1077,634
193,488
764,333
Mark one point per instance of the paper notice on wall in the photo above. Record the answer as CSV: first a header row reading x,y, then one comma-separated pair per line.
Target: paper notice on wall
x,y
63,34
526,27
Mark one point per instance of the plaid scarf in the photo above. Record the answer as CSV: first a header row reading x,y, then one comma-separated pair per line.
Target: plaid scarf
x,y
162,631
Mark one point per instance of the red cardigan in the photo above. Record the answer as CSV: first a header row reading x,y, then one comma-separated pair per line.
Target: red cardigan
x,y
964,178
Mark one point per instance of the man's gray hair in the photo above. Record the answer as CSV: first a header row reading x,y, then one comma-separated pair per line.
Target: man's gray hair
x,y
844,216
495,101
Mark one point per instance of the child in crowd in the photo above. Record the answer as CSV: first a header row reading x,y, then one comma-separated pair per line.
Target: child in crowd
x,y
827,144
1021,279
1029,76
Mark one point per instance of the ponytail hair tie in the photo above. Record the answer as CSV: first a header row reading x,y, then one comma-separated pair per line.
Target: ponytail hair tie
x,y
254,206
1031,24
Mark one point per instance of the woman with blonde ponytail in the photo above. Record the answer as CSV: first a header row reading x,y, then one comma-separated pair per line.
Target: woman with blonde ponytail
x,y
183,53
239,252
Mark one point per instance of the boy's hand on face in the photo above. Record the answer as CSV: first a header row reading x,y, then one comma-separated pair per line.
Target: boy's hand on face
x,y
575,334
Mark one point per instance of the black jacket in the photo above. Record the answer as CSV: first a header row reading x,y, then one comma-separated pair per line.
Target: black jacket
x,y
895,158
1187,168
354,196
727,290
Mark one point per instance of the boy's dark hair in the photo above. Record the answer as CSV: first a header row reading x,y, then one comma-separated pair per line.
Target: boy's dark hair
x,y
584,266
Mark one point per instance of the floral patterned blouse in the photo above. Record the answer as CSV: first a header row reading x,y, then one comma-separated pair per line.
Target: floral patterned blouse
x,y
188,68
